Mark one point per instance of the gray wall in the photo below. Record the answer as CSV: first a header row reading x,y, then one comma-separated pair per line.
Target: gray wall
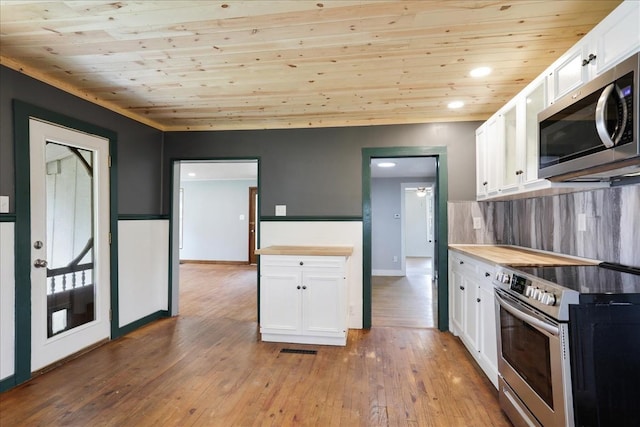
x,y
550,223
139,146
386,231
318,172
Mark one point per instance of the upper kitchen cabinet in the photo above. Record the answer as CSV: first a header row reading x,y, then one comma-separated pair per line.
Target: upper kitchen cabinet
x,y
614,39
507,144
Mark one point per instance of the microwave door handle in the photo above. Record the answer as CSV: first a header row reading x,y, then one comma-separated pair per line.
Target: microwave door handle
x,y
601,109
519,314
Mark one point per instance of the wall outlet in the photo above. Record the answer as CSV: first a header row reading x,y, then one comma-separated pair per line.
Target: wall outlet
x,y
477,223
4,204
241,217
582,222
281,210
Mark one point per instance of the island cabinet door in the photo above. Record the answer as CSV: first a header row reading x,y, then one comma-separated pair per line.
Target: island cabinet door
x,y
281,302
324,304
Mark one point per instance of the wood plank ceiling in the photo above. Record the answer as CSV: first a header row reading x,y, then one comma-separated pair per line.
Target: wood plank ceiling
x,y
202,65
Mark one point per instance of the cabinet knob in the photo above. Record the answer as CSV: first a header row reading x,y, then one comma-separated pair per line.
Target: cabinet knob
x,y
485,183
589,60
301,263
461,262
298,287
462,288
477,299
304,287
487,274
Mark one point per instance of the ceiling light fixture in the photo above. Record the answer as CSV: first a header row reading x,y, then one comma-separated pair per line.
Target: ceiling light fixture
x,y
455,104
386,164
480,72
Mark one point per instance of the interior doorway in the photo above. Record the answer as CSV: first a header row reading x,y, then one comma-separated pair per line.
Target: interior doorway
x,y
213,221
402,236
439,275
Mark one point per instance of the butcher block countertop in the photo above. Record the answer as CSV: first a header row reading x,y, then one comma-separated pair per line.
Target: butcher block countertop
x,y
519,257
306,250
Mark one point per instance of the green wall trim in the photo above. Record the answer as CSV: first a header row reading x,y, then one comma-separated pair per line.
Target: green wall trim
x,y
441,252
311,218
22,111
7,383
130,327
7,217
141,217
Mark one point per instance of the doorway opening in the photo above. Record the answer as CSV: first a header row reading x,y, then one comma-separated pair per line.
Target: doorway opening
x,y
438,308
214,228
402,248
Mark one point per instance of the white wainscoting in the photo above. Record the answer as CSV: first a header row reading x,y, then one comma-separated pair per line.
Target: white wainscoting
x,y
7,300
324,233
143,263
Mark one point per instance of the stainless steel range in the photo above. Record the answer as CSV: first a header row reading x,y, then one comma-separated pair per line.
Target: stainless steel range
x,y
545,333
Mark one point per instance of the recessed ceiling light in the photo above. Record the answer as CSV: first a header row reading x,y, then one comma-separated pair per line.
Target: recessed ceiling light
x,y
191,174
480,72
386,164
455,104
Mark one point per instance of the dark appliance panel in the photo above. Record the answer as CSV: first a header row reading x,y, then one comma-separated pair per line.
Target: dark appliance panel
x,y
605,364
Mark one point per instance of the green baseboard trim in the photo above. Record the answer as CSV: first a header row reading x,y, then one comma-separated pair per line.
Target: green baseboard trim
x,y
311,218
7,217
7,383
141,217
140,323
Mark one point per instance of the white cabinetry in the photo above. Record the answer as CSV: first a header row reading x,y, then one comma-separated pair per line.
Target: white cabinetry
x,y
472,310
507,143
611,41
303,299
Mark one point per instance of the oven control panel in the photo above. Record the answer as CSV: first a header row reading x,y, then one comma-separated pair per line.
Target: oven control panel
x,y
523,286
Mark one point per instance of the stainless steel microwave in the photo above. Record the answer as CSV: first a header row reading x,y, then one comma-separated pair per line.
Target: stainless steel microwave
x,y
591,134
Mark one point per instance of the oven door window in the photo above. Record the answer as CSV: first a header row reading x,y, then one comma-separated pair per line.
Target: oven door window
x,y
527,351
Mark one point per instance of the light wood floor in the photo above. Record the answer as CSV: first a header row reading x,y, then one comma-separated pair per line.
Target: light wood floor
x,y
408,301
207,367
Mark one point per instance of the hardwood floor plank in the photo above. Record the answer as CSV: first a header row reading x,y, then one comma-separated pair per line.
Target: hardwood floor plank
x,y
207,367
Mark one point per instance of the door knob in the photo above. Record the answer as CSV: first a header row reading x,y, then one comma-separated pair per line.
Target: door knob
x,y
40,263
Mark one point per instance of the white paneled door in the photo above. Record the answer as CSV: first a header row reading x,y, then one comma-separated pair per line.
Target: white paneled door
x,y
70,277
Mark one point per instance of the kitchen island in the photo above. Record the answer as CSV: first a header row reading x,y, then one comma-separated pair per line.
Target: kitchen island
x,y
303,294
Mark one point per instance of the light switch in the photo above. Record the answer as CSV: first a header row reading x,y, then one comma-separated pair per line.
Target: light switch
x,y
281,210
582,222
4,204
477,223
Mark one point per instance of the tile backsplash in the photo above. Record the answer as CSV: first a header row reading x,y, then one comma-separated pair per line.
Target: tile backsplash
x,y
612,223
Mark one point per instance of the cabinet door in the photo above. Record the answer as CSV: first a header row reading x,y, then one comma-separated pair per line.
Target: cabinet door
x,y
324,304
510,148
487,341
471,327
570,73
617,36
495,139
457,300
481,162
280,302
534,103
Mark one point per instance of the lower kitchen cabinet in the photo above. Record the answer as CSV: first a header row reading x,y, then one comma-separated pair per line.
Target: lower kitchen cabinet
x,y
303,299
472,310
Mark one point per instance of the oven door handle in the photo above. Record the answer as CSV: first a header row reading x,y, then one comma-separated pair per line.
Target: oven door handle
x,y
519,314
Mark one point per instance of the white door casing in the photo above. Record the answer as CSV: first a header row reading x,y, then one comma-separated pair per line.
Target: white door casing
x,y
47,350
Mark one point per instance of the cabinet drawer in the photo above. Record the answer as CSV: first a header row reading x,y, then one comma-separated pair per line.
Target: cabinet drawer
x,y
323,262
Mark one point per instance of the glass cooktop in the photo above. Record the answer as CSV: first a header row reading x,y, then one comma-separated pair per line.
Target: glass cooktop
x,y
590,279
